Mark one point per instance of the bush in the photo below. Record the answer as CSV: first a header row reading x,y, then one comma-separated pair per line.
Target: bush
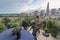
x,y
53,33
49,24
57,26
52,27
14,24
43,23
2,27
28,19
6,20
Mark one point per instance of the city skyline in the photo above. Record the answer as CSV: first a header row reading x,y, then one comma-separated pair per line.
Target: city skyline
x,y
17,6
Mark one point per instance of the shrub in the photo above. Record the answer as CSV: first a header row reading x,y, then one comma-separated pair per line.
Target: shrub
x,y
6,20
2,27
51,25
28,19
43,23
14,24
53,33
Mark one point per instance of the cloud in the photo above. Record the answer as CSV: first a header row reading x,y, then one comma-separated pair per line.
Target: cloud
x,y
27,8
18,5
26,5
52,4
30,6
30,1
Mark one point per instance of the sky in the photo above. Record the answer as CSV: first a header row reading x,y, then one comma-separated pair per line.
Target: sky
x,y
17,6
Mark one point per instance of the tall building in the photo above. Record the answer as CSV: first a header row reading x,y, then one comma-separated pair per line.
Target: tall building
x,y
47,11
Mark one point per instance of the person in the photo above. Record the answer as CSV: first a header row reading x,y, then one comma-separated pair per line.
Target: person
x,y
8,26
7,35
37,21
37,24
26,35
25,24
35,29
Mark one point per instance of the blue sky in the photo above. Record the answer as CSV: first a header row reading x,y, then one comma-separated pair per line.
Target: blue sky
x,y
17,6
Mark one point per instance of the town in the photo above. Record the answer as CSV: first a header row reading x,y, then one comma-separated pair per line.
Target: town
x,y
42,24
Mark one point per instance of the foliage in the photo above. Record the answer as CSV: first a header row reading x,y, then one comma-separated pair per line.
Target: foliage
x,y
17,30
53,33
14,24
57,26
43,23
6,20
2,27
51,24
28,19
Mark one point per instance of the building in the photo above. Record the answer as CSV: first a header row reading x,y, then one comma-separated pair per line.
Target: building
x,y
58,13
53,12
42,13
22,14
47,15
35,13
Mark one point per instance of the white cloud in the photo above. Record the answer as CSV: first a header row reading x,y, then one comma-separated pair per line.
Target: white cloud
x,y
44,5
26,5
54,3
30,7
27,8
30,1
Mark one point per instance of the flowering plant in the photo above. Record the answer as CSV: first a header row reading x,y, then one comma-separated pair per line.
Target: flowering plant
x,y
16,31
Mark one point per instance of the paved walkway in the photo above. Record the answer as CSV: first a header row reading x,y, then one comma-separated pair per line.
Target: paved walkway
x,y
41,37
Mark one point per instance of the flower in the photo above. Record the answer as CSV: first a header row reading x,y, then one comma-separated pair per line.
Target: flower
x,y
13,32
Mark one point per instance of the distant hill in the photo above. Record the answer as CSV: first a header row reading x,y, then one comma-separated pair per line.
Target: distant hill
x,y
9,15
